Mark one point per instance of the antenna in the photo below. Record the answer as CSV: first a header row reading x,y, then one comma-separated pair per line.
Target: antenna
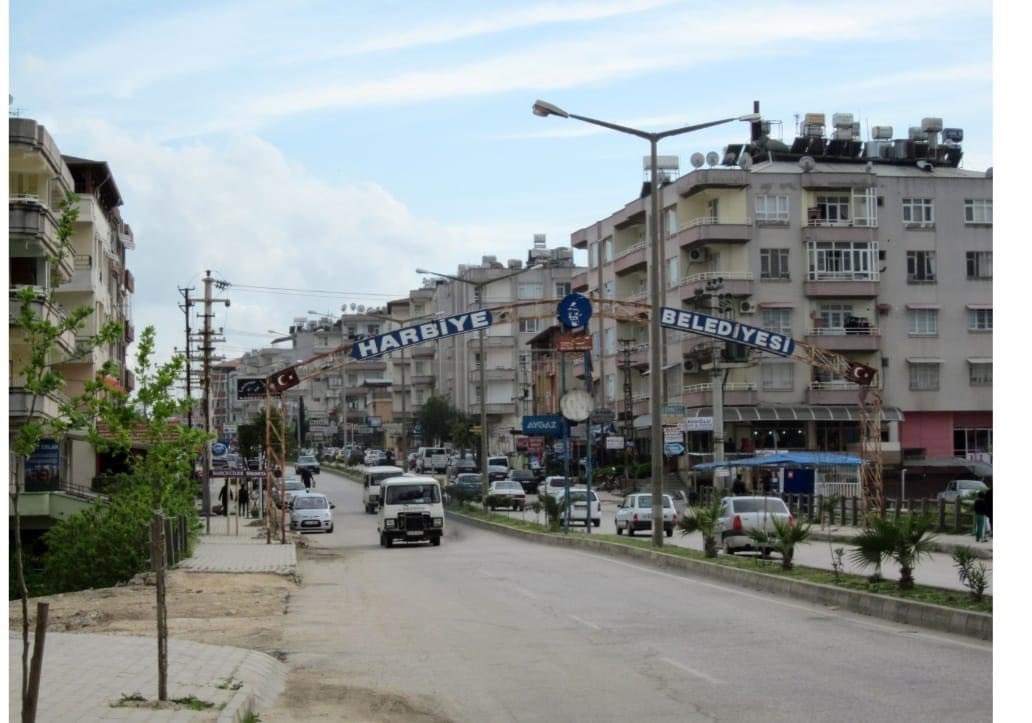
x,y
697,160
712,158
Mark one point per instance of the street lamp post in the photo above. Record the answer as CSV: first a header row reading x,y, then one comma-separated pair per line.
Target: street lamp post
x,y
541,108
479,290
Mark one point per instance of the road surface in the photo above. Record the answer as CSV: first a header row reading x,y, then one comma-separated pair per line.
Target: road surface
x,y
489,628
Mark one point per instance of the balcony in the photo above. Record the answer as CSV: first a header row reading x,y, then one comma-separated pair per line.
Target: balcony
x,y
841,339
736,394
20,401
709,229
834,392
498,408
579,281
736,283
631,259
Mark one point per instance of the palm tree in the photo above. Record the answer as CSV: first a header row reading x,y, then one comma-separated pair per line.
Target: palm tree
x,y
703,519
787,534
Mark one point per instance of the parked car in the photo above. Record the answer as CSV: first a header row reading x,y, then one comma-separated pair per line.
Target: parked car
x,y
466,485
496,472
371,485
291,486
509,493
307,461
411,511
962,488
526,479
635,514
373,457
738,515
553,485
581,509
311,512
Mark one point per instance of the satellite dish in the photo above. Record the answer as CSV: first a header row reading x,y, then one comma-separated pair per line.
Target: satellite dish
x,y
807,163
745,162
712,158
697,160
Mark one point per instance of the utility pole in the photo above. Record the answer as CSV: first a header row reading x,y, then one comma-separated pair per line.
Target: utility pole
x,y
207,349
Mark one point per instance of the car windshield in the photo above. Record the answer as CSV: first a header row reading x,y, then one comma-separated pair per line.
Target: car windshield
x,y
646,501
306,460
302,502
413,494
764,504
294,485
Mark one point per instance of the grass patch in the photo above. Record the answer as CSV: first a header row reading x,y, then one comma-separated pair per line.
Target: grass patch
x,y
921,593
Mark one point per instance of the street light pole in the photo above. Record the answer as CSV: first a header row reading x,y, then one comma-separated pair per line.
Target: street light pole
x,y
541,108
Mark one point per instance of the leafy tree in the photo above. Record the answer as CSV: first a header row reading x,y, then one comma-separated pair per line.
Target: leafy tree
x,y
704,519
41,378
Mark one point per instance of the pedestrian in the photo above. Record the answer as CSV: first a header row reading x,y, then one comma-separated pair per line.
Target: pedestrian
x,y
980,517
244,501
306,477
738,488
224,498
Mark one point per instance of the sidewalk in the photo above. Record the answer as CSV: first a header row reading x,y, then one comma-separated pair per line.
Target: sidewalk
x,y
246,552
84,674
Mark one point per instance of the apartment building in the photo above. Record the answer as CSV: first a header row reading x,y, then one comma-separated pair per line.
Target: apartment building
x,y
879,250
93,275
507,359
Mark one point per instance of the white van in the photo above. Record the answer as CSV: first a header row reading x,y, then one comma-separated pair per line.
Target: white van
x,y
431,459
410,510
371,485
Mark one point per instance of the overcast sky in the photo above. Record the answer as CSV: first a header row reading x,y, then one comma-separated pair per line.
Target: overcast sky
x,y
339,145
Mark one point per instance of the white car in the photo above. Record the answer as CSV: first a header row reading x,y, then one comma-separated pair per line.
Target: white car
x,y
738,515
962,488
581,510
553,486
635,514
411,511
371,485
311,512
508,491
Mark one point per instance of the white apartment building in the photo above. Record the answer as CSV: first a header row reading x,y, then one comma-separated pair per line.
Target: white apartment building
x,y
881,251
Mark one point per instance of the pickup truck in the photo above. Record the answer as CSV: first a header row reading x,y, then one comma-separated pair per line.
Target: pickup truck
x,y
738,515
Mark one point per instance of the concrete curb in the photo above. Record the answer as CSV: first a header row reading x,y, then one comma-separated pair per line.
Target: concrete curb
x,y
908,612
944,547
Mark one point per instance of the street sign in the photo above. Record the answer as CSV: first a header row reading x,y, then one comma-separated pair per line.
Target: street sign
x,y
672,434
543,425
602,416
673,449
436,329
574,311
712,326
614,442
250,388
697,424
568,343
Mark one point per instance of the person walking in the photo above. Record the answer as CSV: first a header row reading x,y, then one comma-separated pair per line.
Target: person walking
x,y
244,501
306,477
980,517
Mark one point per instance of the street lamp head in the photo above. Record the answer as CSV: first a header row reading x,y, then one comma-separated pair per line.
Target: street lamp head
x,y
750,118
544,109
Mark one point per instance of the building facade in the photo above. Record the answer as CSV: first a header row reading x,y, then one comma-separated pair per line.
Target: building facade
x,y
885,258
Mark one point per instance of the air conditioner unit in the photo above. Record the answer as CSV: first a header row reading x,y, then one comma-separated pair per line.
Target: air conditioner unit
x,y
746,307
692,366
697,256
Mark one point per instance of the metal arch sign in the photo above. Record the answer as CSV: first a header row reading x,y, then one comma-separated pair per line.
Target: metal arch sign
x,y
727,330
437,329
574,311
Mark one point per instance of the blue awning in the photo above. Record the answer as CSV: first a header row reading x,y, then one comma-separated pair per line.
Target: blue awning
x,y
786,459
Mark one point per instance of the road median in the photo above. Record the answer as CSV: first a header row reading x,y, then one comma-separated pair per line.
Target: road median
x,y
887,607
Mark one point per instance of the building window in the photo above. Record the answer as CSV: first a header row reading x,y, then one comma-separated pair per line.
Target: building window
x,y
974,443
980,375
778,320
774,264
920,267
673,272
562,288
918,212
980,319
528,326
923,322
978,211
924,377
771,209
593,255
530,291
670,221
843,261
833,210
979,265
777,377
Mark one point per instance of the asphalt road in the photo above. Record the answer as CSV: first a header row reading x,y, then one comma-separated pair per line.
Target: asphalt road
x,y
488,628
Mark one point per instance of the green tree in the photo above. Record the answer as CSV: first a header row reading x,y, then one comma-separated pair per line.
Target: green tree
x,y
41,378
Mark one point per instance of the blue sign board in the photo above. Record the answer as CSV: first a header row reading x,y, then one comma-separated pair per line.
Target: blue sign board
x,y
543,425
574,311
754,336
673,449
436,329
